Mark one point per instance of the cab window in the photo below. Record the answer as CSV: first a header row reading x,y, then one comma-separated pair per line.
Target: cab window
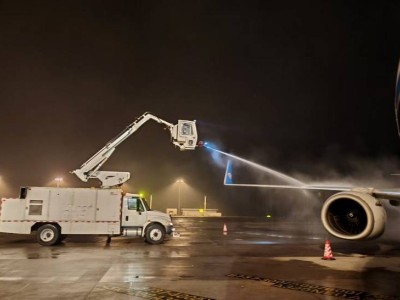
x,y
132,203
135,204
146,205
140,206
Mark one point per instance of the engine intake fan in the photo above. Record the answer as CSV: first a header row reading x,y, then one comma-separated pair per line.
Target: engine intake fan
x,y
353,215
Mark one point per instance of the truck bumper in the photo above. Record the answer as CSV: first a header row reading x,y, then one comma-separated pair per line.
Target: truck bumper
x,y
169,229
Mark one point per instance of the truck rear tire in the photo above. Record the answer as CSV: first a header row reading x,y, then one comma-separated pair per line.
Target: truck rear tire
x,y
48,235
155,234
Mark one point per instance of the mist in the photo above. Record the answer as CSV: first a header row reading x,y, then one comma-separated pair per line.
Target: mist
x,y
350,170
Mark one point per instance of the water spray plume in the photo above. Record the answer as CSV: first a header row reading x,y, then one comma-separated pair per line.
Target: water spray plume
x,y
259,167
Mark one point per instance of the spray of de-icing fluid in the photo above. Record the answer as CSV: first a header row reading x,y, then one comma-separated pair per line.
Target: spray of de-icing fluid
x,y
288,206
275,173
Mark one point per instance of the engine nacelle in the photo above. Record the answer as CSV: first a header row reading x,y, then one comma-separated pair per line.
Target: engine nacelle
x,y
354,215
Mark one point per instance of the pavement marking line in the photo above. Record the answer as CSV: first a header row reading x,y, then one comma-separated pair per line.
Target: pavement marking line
x,y
11,278
316,289
155,293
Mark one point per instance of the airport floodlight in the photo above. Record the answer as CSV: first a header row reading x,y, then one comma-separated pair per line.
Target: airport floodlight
x,y
58,180
179,181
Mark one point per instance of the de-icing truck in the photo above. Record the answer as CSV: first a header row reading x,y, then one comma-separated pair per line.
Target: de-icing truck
x,y
55,212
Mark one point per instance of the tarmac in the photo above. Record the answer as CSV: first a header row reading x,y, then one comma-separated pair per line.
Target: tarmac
x,y
254,259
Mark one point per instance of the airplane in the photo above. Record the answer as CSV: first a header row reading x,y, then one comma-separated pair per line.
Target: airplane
x,y
351,213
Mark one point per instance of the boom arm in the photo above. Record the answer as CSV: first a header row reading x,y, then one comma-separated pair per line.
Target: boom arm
x,y
183,135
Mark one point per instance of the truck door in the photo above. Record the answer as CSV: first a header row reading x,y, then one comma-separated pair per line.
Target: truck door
x,y
133,212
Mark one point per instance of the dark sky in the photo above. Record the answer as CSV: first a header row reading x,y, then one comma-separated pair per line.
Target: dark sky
x,y
287,83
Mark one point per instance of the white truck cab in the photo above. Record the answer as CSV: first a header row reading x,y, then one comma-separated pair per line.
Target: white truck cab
x,y
53,213
139,219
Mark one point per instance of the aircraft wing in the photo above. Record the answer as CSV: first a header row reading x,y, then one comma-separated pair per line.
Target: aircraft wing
x,y
390,194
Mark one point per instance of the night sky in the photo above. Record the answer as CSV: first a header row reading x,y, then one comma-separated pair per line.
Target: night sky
x,y
294,85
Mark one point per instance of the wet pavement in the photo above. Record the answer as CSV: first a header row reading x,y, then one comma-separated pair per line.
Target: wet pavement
x,y
255,259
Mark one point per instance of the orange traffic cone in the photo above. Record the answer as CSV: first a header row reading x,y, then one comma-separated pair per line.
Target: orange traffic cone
x,y
328,251
225,230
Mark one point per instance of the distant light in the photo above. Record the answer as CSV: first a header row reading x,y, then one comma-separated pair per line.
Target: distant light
x,y
59,180
141,195
269,216
180,181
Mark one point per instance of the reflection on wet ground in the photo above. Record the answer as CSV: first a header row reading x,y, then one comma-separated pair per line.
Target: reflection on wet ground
x,y
197,263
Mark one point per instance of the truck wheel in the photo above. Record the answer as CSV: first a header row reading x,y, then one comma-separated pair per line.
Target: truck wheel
x,y
155,234
47,235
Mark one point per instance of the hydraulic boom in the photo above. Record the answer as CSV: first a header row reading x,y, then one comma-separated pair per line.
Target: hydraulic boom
x,y
183,135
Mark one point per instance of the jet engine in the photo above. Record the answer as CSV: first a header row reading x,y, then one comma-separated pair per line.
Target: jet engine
x,y
353,215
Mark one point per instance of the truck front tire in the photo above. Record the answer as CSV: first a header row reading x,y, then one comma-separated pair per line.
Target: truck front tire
x,y
155,234
48,235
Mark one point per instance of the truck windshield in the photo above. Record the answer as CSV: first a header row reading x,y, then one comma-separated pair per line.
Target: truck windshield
x,y
146,205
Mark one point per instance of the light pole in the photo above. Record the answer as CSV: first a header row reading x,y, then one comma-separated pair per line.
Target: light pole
x,y
205,206
179,181
59,180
